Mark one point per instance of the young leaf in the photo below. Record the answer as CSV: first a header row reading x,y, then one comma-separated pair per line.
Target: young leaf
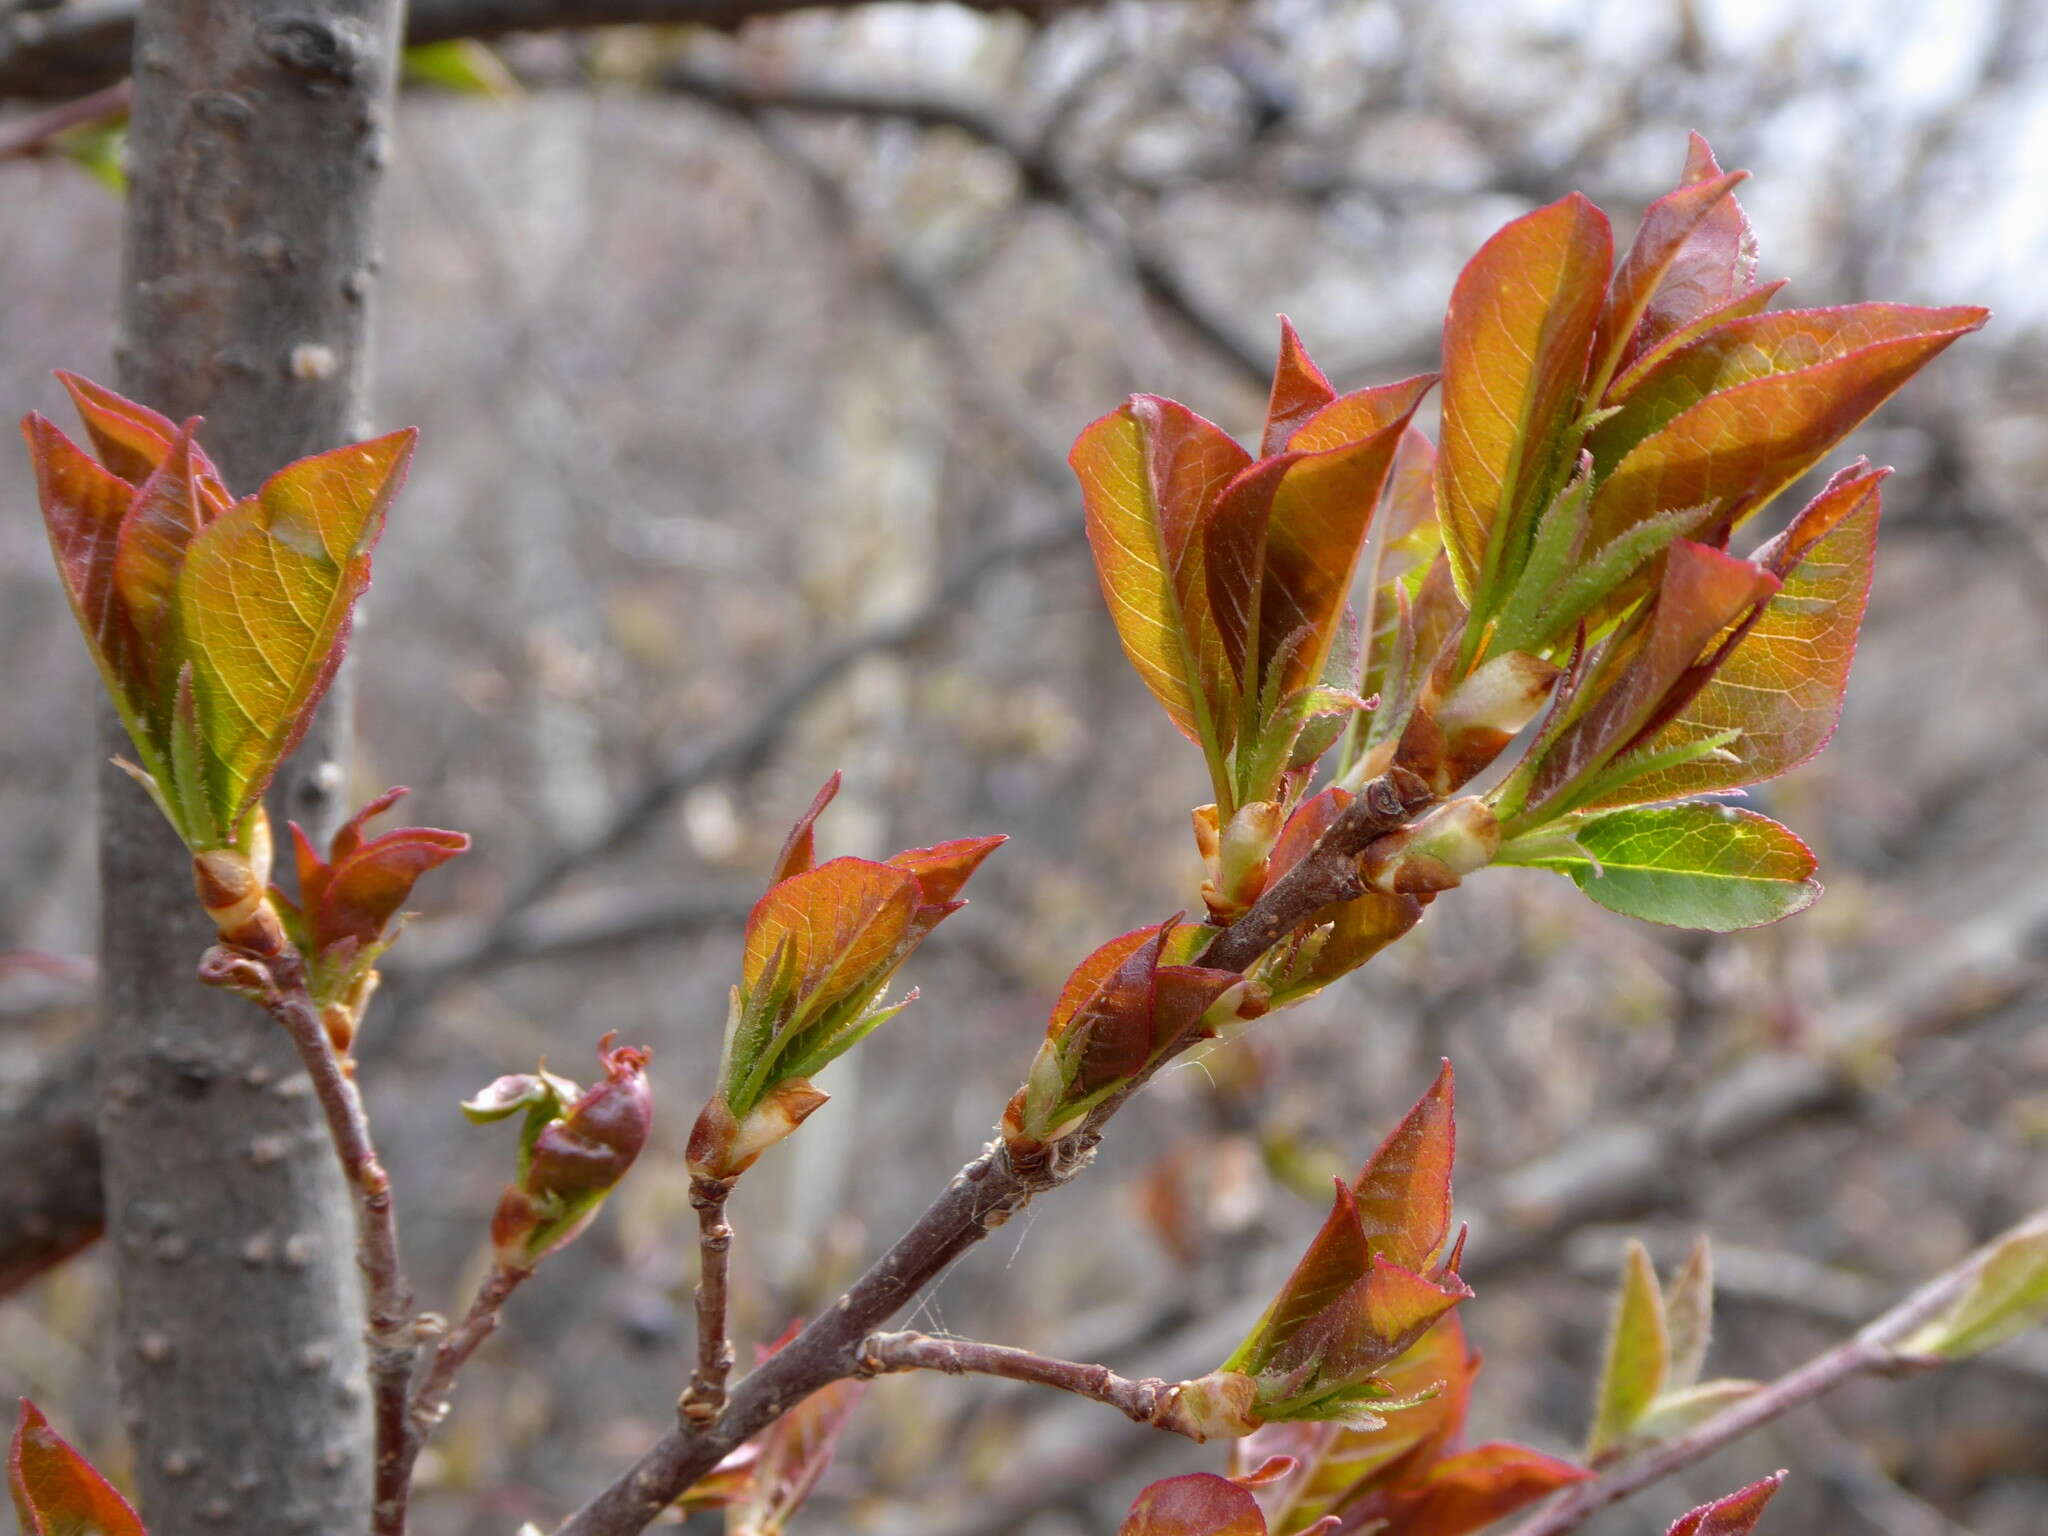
x,y
1739,446
1638,1355
1467,1492
1405,540
1703,591
1735,1515
1516,340
2008,1295
1150,473
1689,1317
1780,681
1196,1504
1404,1191
1299,391
56,1491
1694,865
262,608
800,848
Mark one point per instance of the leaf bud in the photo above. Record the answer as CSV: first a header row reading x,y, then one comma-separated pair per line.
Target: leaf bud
x,y
1434,853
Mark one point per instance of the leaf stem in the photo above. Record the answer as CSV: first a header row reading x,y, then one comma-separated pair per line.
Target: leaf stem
x,y
704,1399
1149,1401
1872,1350
430,1397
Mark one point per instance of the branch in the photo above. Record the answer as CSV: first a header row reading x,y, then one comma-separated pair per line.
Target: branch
x,y
86,45
280,987
982,1196
705,1397
1872,1351
1150,1401
430,1400
31,135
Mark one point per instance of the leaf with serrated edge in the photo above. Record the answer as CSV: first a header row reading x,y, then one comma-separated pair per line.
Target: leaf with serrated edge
x,y
1735,1515
1335,1261
56,1491
263,603
1695,865
835,926
1404,1192
1782,681
1638,1354
1739,446
1150,472
2008,1295
1516,339
1196,1504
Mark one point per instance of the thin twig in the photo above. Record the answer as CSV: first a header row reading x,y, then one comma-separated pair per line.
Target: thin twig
x,y
704,1399
1873,1350
430,1398
32,135
279,984
981,1197
1149,1401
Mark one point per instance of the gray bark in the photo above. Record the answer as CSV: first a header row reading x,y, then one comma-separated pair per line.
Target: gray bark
x,y
260,131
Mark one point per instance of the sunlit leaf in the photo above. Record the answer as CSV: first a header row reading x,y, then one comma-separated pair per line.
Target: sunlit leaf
x,y
1739,446
1467,1492
263,603
1516,340
800,849
1299,391
1336,1260
1695,865
1637,1357
56,1491
1150,472
833,927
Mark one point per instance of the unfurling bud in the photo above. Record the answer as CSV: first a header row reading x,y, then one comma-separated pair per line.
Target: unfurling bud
x,y
573,1150
1218,1406
1237,856
722,1147
233,887
1434,853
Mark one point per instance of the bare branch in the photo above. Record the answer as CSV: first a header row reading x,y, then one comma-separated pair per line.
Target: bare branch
x,y
430,1398
1150,1401
85,45
704,1399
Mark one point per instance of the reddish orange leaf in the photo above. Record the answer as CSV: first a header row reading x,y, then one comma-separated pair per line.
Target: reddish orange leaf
x,y
132,440
1335,1261
56,1491
1285,538
1150,473
944,868
833,928
1703,591
1469,1491
1761,346
1299,391
1404,1192
800,848
165,516
1678,267
1739,446
82,510
1197,1504
1735,1515
1516,341
1781,678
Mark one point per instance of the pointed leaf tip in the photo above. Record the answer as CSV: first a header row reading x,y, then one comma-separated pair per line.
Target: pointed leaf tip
x,y
1735,1515
56,1491
1404,1191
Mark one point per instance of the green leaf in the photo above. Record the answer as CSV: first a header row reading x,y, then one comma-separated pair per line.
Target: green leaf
x,y
1696,865
2007,1296
56,1491
1675,1412
262,607
461,65
1689,1317
1638,1355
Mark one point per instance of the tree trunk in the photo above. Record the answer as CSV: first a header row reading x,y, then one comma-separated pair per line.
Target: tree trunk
x,y
260,130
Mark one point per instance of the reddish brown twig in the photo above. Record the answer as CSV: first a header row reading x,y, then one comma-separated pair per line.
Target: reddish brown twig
x,y
704,1399
1149,1401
